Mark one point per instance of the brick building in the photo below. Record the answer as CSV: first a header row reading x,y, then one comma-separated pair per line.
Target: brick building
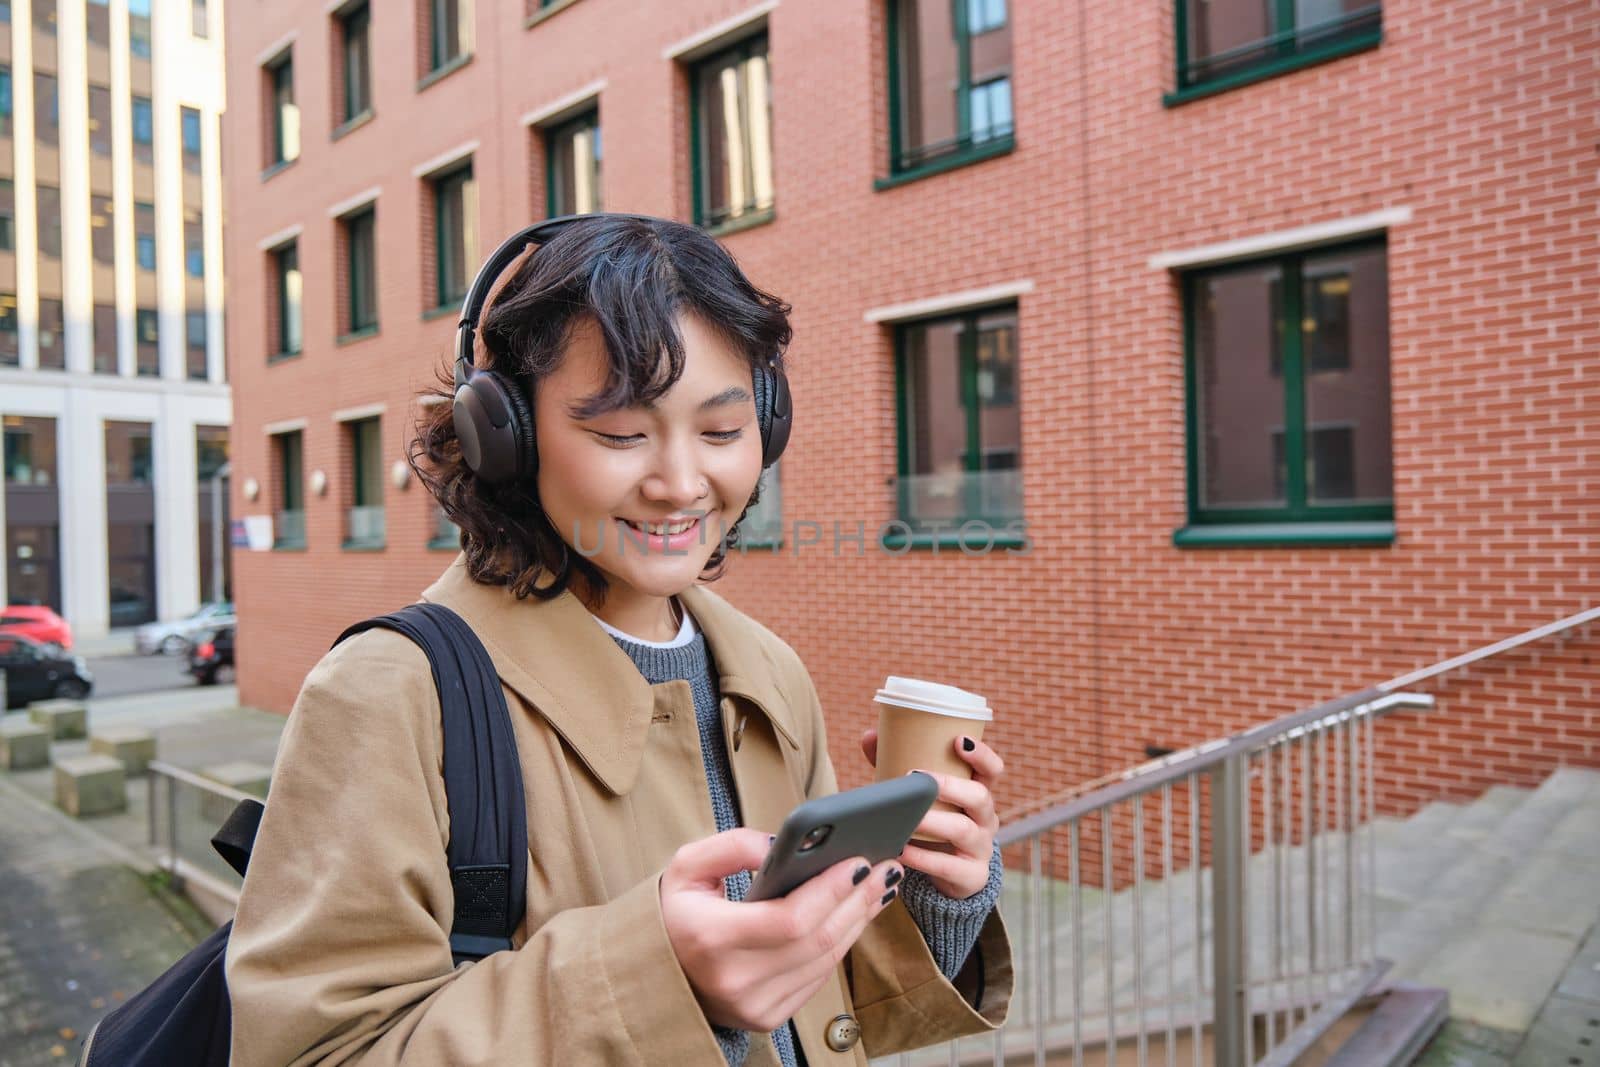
x,y
1264,354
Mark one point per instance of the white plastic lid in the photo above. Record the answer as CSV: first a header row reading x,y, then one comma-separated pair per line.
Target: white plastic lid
x,y
933,697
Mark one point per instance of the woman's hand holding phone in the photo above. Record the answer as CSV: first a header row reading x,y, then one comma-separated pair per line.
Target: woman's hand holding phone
x,y
970,832
753,964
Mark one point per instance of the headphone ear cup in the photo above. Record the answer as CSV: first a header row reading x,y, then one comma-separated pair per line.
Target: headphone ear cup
x,y
494,427
777,412
521,429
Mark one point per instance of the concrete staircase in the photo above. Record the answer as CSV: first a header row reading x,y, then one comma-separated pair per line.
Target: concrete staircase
x,y
1489,901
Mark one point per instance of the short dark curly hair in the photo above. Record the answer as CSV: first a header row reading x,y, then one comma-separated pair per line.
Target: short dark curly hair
x,y
632,277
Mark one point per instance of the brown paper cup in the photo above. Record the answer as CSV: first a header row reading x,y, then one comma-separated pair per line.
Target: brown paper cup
x,y
918,723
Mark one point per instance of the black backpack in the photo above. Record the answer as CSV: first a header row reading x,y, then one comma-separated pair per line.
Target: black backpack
x,y
184,1017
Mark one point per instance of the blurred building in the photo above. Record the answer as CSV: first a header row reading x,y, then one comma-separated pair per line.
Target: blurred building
x,y
1161,368
113,391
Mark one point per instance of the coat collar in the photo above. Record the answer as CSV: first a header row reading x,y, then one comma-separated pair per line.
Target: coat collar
x,y
556,656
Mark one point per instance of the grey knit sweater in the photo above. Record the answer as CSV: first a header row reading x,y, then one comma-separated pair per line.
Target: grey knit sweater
x,y
950,927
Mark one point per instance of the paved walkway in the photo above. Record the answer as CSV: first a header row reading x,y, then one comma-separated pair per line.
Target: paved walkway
x,y
85,918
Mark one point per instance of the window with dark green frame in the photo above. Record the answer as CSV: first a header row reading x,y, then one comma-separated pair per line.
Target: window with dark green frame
x,y
287,285
289,526
455,226
572,166
949,82
284,112
1222,43
731,131
364,522
361,282
1288,393
355,32
447,32
960,423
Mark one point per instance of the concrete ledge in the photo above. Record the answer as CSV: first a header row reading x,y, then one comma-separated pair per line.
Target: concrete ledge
x,y
252,778
23,746
91,785
133,747
66,720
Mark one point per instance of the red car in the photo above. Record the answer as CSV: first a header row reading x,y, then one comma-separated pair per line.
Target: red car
x,y
39,623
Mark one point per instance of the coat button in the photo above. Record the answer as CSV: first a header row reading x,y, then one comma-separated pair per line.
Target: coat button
x,y
843,1033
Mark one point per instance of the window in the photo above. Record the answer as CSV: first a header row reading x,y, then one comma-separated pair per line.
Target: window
x,y
139,28
763,523
354,31
147,351
285,114
361,283
130,531
1288,372
447,32
199,24
1222,43
100,120
732,134
194,244
98,13
144,236
286,275
960,428
44,16
46,109
10,350
949,83
290,525
48,198
364,522
446,534
105,339
191,139
455,216
144,130
5,101
102,232
194,330
8,216
52,346
572,166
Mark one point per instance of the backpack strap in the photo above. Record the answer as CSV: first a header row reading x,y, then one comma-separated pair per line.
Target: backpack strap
x,y
488,850
237,836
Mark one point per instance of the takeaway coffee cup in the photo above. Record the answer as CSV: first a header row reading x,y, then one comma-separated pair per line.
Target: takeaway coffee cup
x,y
918,723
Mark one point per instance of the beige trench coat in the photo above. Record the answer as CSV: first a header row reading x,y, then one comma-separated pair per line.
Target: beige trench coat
x,y
340,951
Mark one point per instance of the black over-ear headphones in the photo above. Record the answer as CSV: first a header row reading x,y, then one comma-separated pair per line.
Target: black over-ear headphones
x,y
493,420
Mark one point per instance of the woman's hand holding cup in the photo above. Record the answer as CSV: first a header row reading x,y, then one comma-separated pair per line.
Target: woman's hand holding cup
x,y
968,829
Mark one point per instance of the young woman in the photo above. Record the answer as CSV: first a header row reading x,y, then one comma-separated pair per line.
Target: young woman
x,y
662,733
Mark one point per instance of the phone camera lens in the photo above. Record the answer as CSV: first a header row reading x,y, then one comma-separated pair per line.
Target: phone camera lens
x,y
815,838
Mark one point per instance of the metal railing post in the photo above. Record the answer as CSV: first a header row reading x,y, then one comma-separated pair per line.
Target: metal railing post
x,y
1229,852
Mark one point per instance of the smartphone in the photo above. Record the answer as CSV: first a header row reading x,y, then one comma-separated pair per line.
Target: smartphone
x,y
874,821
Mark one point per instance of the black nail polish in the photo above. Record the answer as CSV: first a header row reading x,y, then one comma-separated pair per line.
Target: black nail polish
x,y
860,875
893,877
968,744
890,895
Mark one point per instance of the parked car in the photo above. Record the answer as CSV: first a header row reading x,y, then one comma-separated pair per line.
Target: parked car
x,y
38,671
36,621
175,638
211,660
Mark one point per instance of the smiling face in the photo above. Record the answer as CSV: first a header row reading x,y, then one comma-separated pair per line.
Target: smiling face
x,y
607,481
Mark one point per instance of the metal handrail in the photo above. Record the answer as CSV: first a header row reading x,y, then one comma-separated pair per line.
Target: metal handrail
x,y
1281,863
1148,777
1036,813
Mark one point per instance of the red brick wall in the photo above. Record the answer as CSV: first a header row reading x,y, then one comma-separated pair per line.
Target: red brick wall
x,y
1479,117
